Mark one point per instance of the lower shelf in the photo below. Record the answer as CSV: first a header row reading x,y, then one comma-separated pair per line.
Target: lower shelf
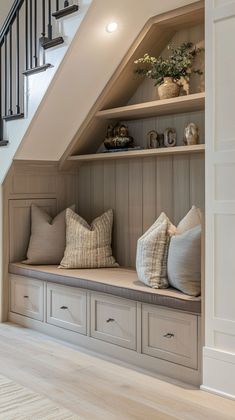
x,y
198,148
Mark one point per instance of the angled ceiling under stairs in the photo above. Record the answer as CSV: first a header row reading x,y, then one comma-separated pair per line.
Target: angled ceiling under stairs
x,y
154,37
65,122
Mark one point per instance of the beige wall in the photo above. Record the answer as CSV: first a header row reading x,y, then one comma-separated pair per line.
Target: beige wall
x,y
86,69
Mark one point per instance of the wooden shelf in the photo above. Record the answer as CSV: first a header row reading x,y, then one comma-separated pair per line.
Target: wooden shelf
x,y
199,148
181,104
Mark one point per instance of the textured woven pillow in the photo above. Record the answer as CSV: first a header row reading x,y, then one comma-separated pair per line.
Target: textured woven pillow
x,y
88,246
47,240
184,262
193,218
152,250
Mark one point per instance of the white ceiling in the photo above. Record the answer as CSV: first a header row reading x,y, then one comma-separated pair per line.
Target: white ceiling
x,y
5,6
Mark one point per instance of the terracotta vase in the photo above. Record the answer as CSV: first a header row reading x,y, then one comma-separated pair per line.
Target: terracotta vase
x,y
168,89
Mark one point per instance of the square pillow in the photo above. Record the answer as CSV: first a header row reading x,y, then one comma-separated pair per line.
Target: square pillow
x,y
152,250
184,261
193,218
88,246
47,240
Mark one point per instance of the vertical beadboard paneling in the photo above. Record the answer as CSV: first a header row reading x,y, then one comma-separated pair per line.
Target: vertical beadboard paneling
x,y
121,223
197,181
138,190
97,188
181,186
164,181
84,192
109,185
149,192
135,205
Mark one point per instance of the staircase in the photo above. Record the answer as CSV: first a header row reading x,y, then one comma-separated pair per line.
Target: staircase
x,y
30,30
35,42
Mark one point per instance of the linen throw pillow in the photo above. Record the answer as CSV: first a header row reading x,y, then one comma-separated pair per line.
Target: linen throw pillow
x,y
193,218
184,257
47,240
184,262
88,246
152,251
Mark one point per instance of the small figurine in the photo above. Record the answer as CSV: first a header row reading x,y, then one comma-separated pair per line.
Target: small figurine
x,y
170,137
191,134
152,140
118,137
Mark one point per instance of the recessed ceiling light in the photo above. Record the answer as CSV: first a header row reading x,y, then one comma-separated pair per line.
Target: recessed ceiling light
x,y
111,27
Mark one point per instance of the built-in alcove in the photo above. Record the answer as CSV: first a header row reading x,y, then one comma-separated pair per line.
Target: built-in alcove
x,y
138,185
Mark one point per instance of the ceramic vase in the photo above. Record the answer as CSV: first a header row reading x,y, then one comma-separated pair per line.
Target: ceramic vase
x,y
168,89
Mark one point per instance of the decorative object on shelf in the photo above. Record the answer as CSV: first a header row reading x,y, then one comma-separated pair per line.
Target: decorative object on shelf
x,y
170,137
117,137
152,140
124,149
191,134
168,71
168,89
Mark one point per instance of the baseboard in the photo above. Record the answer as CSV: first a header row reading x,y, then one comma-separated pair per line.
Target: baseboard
x,y
216,392
150,365
219,372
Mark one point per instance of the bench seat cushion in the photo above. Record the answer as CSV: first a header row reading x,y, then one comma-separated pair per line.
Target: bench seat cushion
x,y
119,281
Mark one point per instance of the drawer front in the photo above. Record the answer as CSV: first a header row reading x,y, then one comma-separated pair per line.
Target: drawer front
x,y
113,320
169,335
66,307
26,296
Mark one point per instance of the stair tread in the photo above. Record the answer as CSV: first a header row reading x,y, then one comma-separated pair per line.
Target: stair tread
x,y
66,11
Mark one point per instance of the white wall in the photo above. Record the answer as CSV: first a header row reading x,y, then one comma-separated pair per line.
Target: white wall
x,y
5,6
90,63
219,351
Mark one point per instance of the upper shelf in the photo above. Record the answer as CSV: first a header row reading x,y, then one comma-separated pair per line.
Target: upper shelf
x,y
181,104
177,150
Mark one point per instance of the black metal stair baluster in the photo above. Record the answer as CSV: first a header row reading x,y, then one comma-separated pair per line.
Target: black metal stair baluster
x,y
37,55
35,35
49,28
51,42
57,5
43,18
26,35
31,33
6,76
17,64
42,39
2,142
10,112
1,89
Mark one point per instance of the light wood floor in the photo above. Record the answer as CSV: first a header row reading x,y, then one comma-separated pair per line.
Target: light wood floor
x,y
96,389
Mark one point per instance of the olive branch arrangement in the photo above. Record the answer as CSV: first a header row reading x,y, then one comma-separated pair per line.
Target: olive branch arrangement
x,y
178,64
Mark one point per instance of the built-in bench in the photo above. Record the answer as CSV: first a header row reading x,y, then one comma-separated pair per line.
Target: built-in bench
x,y
111,312
122,282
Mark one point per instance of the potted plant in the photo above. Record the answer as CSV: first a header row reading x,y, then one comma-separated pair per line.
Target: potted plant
x,y
168,71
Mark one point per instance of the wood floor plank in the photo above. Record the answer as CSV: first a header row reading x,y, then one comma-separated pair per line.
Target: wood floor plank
x,y
94,388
